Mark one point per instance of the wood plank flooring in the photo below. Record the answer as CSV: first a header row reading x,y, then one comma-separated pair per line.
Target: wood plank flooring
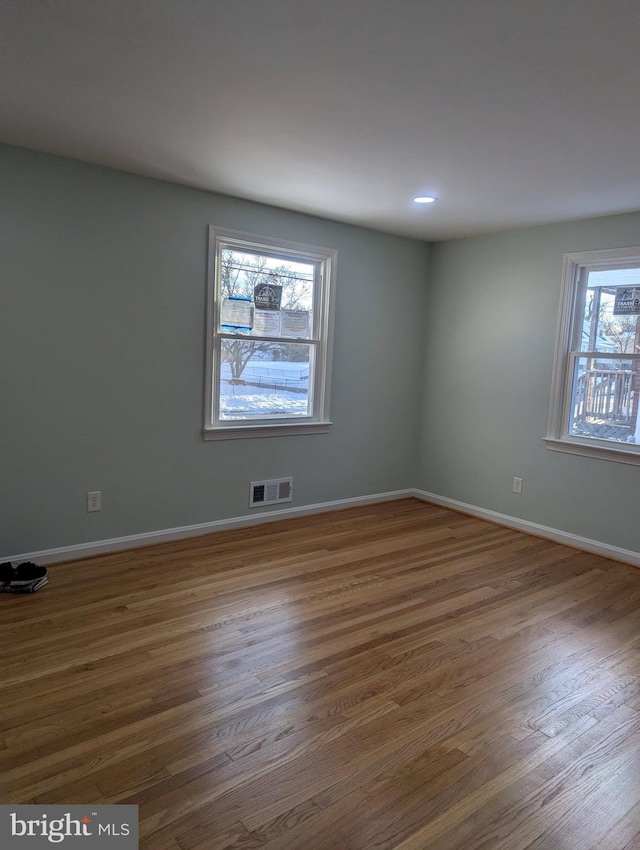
x,y
392,676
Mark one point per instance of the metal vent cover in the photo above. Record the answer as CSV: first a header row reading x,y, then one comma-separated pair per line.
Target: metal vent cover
x,y
270,492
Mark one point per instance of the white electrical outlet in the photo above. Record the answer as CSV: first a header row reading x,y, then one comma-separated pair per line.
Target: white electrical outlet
x,y
94,501
517,485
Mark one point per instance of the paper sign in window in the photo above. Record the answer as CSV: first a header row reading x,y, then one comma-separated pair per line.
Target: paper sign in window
x,y
266,322
267,296
627,301
295,323
236,314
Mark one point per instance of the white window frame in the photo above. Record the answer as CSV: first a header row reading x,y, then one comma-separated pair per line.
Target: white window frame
x,y
568,344
321,338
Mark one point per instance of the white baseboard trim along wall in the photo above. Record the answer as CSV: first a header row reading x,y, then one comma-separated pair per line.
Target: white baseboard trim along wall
x,y
149,538
628,556
99,547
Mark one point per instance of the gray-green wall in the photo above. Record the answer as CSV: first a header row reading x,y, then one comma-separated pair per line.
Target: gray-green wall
x,y
441,379
102,313
489,338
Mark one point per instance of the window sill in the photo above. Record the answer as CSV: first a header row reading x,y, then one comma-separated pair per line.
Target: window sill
x,y
587,449
288,429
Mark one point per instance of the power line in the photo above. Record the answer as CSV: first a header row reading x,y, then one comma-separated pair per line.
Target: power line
x,y
266,273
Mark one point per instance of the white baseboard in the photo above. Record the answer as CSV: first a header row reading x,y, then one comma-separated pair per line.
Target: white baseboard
x,y
628,556
133,541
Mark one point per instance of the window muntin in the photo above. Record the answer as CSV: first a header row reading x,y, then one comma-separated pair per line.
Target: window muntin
x,y
269,336
596,390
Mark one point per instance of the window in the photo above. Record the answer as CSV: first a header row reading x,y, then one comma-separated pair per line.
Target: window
x,y
596,384
269,336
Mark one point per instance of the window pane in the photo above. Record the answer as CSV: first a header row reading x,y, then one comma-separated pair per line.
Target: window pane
x,y
605,399
274,285
260,380
610,322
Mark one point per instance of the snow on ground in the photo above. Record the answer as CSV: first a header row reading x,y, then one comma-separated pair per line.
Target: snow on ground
x,y
278,369
238,399
271,399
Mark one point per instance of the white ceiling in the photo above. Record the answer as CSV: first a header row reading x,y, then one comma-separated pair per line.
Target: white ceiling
x,y
512,112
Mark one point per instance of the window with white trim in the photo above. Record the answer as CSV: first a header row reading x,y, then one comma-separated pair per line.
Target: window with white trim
x,y
269,336
596,383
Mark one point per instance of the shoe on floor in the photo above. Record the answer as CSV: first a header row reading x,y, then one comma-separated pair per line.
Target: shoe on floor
x,y
19,574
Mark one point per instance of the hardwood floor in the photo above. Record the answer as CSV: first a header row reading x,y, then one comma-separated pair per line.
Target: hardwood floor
x,y
392,676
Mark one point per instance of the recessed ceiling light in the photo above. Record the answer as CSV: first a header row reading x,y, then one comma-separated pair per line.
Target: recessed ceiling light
x,y
424,199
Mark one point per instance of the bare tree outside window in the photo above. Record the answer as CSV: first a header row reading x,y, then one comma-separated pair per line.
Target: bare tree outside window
x,y
240,274
269,335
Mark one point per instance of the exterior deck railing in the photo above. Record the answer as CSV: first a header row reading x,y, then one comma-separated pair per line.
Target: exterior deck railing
x,y
605,395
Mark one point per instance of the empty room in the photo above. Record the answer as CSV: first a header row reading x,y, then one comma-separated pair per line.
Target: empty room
x,y
320,457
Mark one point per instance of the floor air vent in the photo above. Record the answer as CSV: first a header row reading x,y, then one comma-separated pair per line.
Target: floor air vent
x,y
270,492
